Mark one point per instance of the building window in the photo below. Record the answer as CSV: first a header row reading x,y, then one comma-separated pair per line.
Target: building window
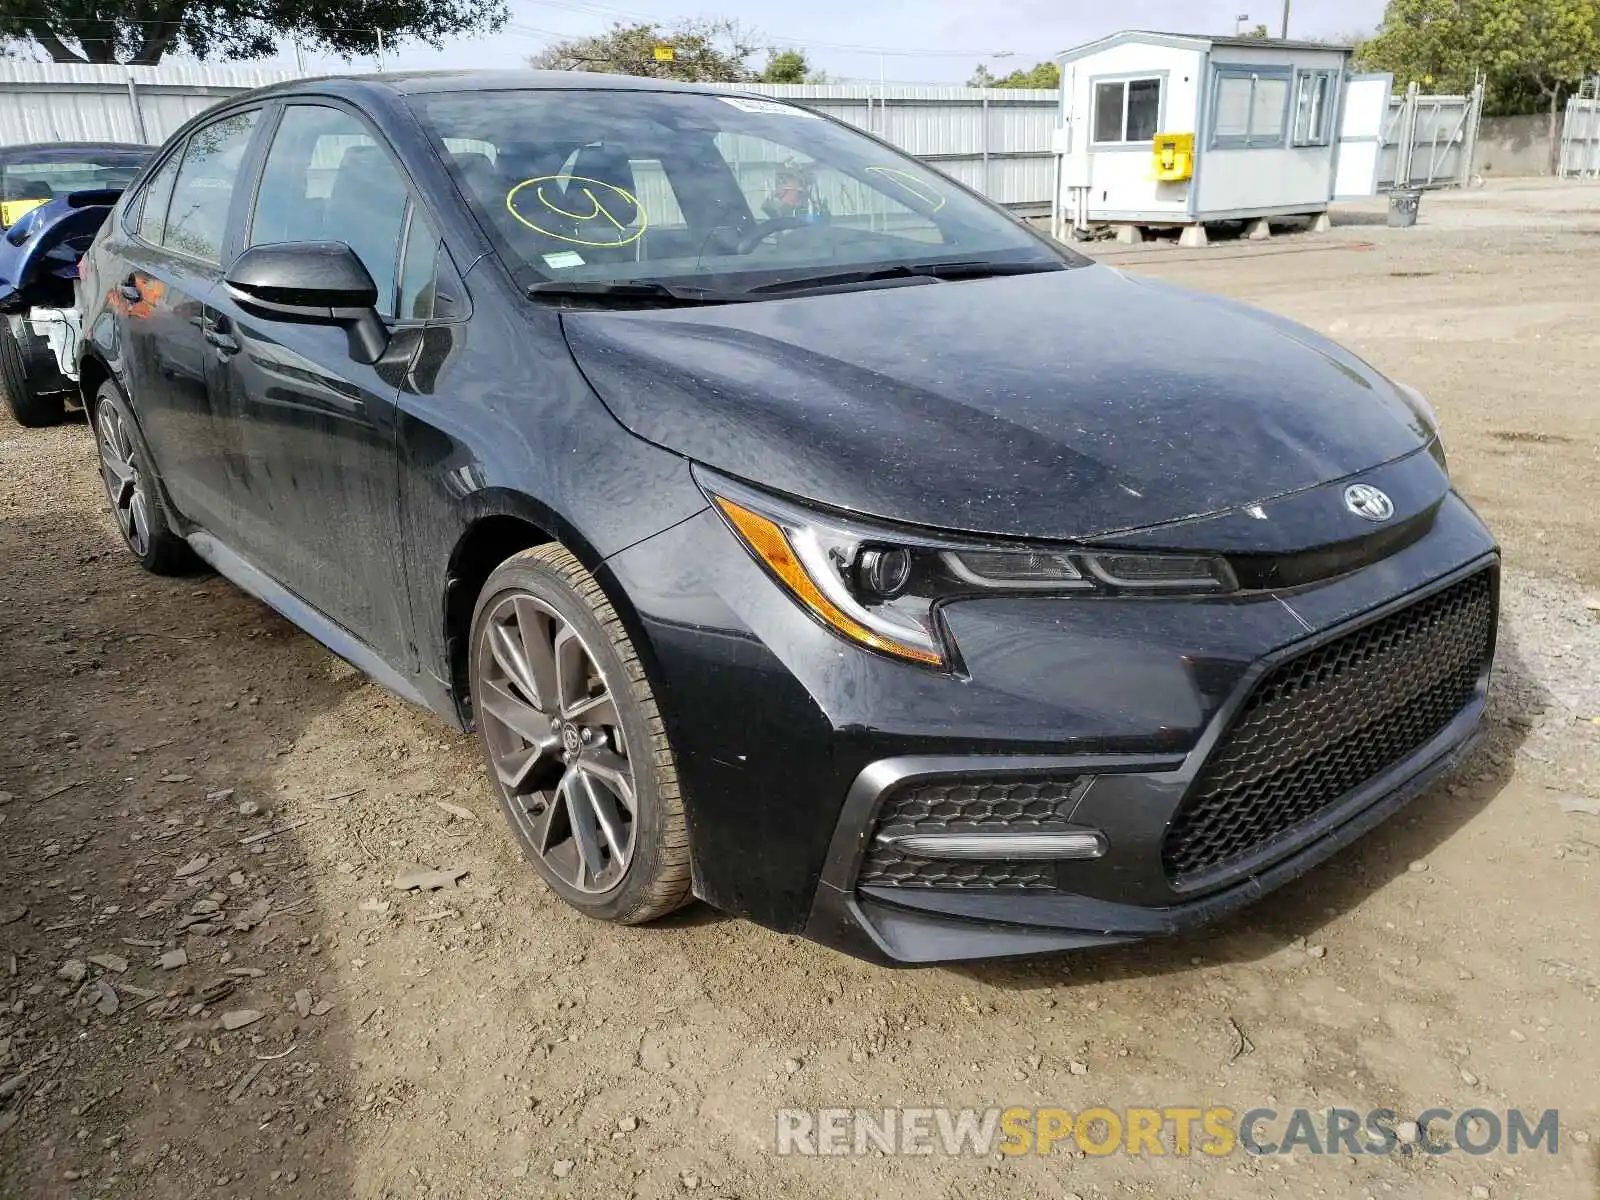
x,y
1126,111
1313,107
1249,108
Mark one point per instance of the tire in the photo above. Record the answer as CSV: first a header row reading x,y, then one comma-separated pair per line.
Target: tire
x,y
28,405
134,490
564,745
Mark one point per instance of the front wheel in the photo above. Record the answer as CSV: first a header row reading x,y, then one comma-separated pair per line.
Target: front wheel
x,y
574,741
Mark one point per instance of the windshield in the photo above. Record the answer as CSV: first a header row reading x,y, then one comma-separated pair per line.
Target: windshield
x,y
600,187
27,183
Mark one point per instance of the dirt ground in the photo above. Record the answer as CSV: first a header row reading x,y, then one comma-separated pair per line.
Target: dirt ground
x,y
182,771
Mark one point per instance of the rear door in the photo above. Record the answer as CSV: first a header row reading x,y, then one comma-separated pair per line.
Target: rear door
x,y
317,484
169,265
1362,116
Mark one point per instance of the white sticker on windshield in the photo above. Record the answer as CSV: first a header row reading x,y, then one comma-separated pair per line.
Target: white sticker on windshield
x,y
769,107
563,260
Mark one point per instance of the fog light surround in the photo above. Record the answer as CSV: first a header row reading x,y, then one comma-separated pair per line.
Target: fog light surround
x,y
1007,847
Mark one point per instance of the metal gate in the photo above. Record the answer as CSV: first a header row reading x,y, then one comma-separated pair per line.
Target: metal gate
x,y
1580,133
1429,141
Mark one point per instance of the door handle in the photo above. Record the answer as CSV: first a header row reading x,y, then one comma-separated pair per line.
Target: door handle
x,y
226,343
128,289
215,331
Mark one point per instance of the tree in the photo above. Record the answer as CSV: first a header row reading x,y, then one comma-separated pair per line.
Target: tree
x,y
1550,44
140,32
789,66
698,51
1524,48
1042,75
1431,42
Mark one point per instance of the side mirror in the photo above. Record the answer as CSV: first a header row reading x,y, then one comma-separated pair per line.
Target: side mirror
x,y
311,283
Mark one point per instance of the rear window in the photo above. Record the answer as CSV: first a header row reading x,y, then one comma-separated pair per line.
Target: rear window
x,y
30,182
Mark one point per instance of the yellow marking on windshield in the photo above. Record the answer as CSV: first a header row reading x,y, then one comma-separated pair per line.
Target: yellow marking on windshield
x,y
602,197
920,188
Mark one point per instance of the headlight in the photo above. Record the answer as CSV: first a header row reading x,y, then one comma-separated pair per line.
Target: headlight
x,y
1418,403
881,588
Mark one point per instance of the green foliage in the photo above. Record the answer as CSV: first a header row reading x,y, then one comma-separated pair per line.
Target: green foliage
x,y
1531,51
1042,75
1547,42
789,66
703,51
141,31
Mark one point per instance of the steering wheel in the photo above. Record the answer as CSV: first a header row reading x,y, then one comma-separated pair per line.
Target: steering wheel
x,y
762,230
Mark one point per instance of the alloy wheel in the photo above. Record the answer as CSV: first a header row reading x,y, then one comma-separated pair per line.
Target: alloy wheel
x,y
124,486
556,745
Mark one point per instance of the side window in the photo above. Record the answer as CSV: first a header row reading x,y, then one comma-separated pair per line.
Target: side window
x,y
656,194
1127,110
1249,108
197,217
327,180
153,204
1312,107
417,268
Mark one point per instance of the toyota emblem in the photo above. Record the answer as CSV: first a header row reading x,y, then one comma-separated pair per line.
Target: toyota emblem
x,y
1367,501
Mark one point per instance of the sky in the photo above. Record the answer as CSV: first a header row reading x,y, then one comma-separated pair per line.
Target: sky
x,y
906,41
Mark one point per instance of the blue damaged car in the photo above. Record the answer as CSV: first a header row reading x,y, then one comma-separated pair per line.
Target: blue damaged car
x,y
53,199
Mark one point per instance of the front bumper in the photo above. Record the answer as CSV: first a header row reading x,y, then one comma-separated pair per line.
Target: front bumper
x,y
788,740
904,926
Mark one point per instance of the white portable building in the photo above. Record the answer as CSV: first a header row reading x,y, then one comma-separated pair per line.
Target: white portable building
x,y
1175,129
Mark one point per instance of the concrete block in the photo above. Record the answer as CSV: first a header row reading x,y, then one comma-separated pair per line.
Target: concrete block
x,y
1193,237
1260,230
1129,235
1321,223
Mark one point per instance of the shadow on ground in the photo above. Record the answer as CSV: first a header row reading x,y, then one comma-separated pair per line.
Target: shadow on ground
x,y
142,911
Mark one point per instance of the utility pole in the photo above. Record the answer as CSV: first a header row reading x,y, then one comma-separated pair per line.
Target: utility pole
x,y
379,32
299,62
1285,34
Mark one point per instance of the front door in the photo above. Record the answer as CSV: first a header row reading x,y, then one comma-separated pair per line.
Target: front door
x,y
316,486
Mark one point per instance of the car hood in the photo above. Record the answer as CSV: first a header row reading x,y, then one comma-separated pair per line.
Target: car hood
x,y
1065,404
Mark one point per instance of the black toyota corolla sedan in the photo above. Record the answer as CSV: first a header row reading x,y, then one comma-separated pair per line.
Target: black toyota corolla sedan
x,y
797,530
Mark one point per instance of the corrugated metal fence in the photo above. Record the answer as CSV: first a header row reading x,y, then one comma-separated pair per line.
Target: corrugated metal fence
x,y
69,102
996,140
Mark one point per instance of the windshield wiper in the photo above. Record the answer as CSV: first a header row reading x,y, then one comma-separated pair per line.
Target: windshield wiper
x,y
959,269
633,289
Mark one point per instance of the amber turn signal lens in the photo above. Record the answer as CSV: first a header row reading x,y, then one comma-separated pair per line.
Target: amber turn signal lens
x,y
771,546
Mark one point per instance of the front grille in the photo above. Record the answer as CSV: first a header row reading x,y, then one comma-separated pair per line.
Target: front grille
x,y
966,805
1323,723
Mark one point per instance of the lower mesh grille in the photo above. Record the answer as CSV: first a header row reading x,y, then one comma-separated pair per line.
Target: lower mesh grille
x,y
961,806
1319,725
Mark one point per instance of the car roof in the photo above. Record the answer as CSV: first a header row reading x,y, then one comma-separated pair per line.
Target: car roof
x,y
414,82
70,149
